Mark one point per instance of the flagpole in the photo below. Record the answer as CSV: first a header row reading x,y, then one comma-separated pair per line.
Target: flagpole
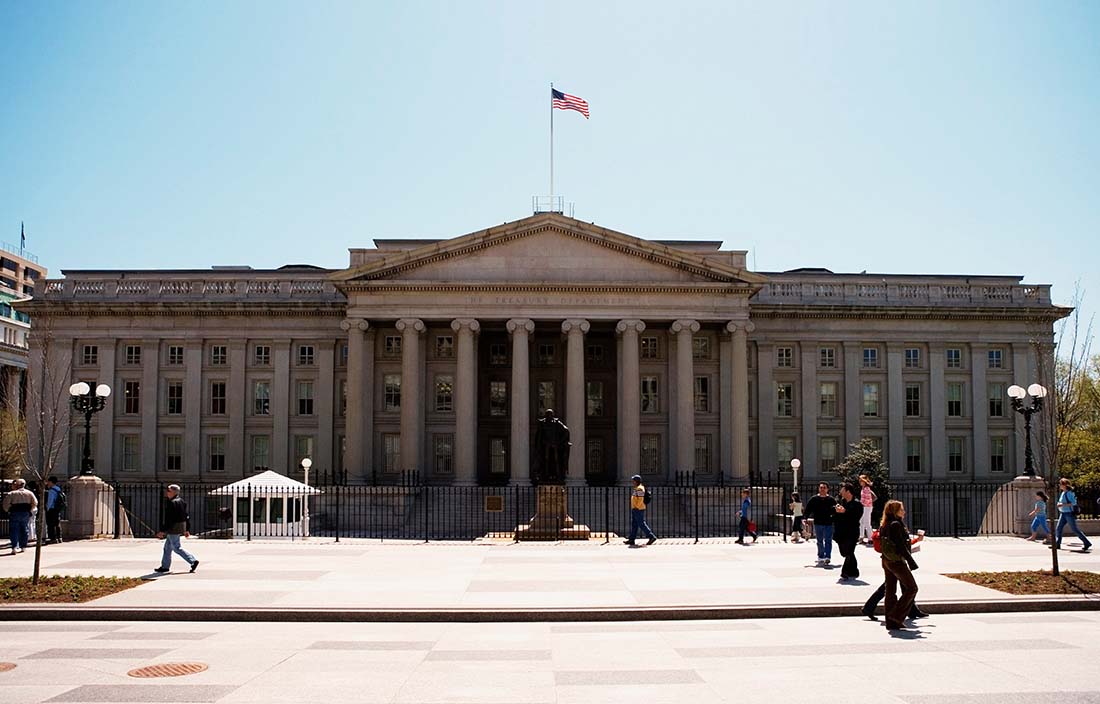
x,y
551,144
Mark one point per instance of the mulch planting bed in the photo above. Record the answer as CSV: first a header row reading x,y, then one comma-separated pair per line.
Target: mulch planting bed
x,y
1037,582
60,590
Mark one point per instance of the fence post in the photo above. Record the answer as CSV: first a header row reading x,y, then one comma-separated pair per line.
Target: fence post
x,y
783,512
336,491
427,507
955,509
606,514
695,501
248,533
118,513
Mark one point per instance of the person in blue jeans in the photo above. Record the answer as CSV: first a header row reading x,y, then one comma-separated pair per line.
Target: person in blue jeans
x,y
743,524
637,513
176,522
19,503
822,509
1067,501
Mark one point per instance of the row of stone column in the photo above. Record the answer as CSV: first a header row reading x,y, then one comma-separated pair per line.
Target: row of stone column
x,y
359,448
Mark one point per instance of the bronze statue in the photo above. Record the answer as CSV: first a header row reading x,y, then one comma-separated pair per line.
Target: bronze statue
x,y
551,449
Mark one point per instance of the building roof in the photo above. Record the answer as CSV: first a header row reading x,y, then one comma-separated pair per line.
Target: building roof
x,y
269,483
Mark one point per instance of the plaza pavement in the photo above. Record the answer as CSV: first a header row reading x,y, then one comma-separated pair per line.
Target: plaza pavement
x,y
319,579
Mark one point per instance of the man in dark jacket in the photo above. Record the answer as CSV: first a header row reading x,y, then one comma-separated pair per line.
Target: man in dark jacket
x,y
846,531
176,522
820,509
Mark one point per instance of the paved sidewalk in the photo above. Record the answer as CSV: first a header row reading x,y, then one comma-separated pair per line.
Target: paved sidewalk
x,y
487,577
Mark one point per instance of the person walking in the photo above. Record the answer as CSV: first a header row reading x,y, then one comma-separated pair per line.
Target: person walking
x,y
637,512
19,503
897,564
745,525
176,522
867,499
820,509
846,529
1038,517
1067,510
873,602
55,501
796,517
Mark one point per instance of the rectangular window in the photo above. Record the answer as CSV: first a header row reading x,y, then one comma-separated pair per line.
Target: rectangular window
x,y
343,355
546,396
912,400
702,453
305,398
996,359
445,346
303,448
260,453
131,392
343,397
262,355
131,453
650,349
391,346
827,453
870,400
219,355
997,454
444,394
913,450
650,456
90,355
650,395
593,392
173,453
784,357
391,452
702,394
593,354
133,354
912,358
593,456
498,398
546,354
175,354
175,398
391,392
996,400
261,398
784,400
954,358
217,398
215,455
305,355
956,455
827,355
954,399
498,456
784,453
828,399
443,447
498,355
700,347
870,358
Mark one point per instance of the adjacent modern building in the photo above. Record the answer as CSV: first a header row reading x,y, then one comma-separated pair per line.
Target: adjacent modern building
x,y
437,356
20,273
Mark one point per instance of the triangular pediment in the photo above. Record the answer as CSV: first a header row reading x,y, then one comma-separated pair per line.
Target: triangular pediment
x,y
548,249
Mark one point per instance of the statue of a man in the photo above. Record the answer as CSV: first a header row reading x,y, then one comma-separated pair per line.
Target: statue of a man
x,y
551,449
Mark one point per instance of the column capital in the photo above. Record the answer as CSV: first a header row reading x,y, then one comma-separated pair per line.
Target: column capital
x,y
745,326
575,325
685,326
356,323
637,326
469,324
516,323
412,325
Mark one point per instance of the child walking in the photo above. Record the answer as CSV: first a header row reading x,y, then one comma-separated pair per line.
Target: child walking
x,y
796,517
1038,517
745,524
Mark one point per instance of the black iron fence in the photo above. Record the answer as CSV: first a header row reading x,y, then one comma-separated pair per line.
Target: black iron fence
x,y
413,510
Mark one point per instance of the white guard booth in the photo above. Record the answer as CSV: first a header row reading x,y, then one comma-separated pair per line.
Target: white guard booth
x,y
269,505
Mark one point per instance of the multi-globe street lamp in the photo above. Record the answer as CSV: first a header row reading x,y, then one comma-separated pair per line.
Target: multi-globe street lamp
x,y
88,401
1037,393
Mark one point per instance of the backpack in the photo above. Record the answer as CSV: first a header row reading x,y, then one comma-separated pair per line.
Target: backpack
x,y
61,502
648,497
876,540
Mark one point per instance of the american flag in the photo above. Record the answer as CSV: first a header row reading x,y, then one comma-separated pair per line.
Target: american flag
x,y
564,101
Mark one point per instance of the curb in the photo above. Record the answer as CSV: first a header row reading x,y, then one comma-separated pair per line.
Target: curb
x,y
596,614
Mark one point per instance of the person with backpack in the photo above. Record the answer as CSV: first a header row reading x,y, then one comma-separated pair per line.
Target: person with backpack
x,y
56,502
1067,515
745,524
639,499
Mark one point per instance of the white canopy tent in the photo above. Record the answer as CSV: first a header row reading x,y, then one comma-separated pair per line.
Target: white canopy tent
x,y
269,504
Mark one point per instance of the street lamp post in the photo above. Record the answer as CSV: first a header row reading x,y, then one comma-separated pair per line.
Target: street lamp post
x,y
795,465
88,401
306,464
1037,393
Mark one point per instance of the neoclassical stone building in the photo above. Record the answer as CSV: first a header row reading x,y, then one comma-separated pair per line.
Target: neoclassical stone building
x,y
438,355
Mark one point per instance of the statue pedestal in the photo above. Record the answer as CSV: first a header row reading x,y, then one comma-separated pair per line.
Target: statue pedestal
x,y
551,520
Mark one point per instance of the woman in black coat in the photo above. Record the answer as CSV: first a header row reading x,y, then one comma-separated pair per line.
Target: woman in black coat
x,y
897,564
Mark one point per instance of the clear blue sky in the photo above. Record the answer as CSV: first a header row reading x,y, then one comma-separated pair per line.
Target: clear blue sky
x,y
941,137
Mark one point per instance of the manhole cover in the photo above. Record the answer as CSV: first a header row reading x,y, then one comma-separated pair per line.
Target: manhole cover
x,y
7,666
168,669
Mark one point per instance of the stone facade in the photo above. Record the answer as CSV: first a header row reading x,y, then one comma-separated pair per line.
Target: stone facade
x,y
437,356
